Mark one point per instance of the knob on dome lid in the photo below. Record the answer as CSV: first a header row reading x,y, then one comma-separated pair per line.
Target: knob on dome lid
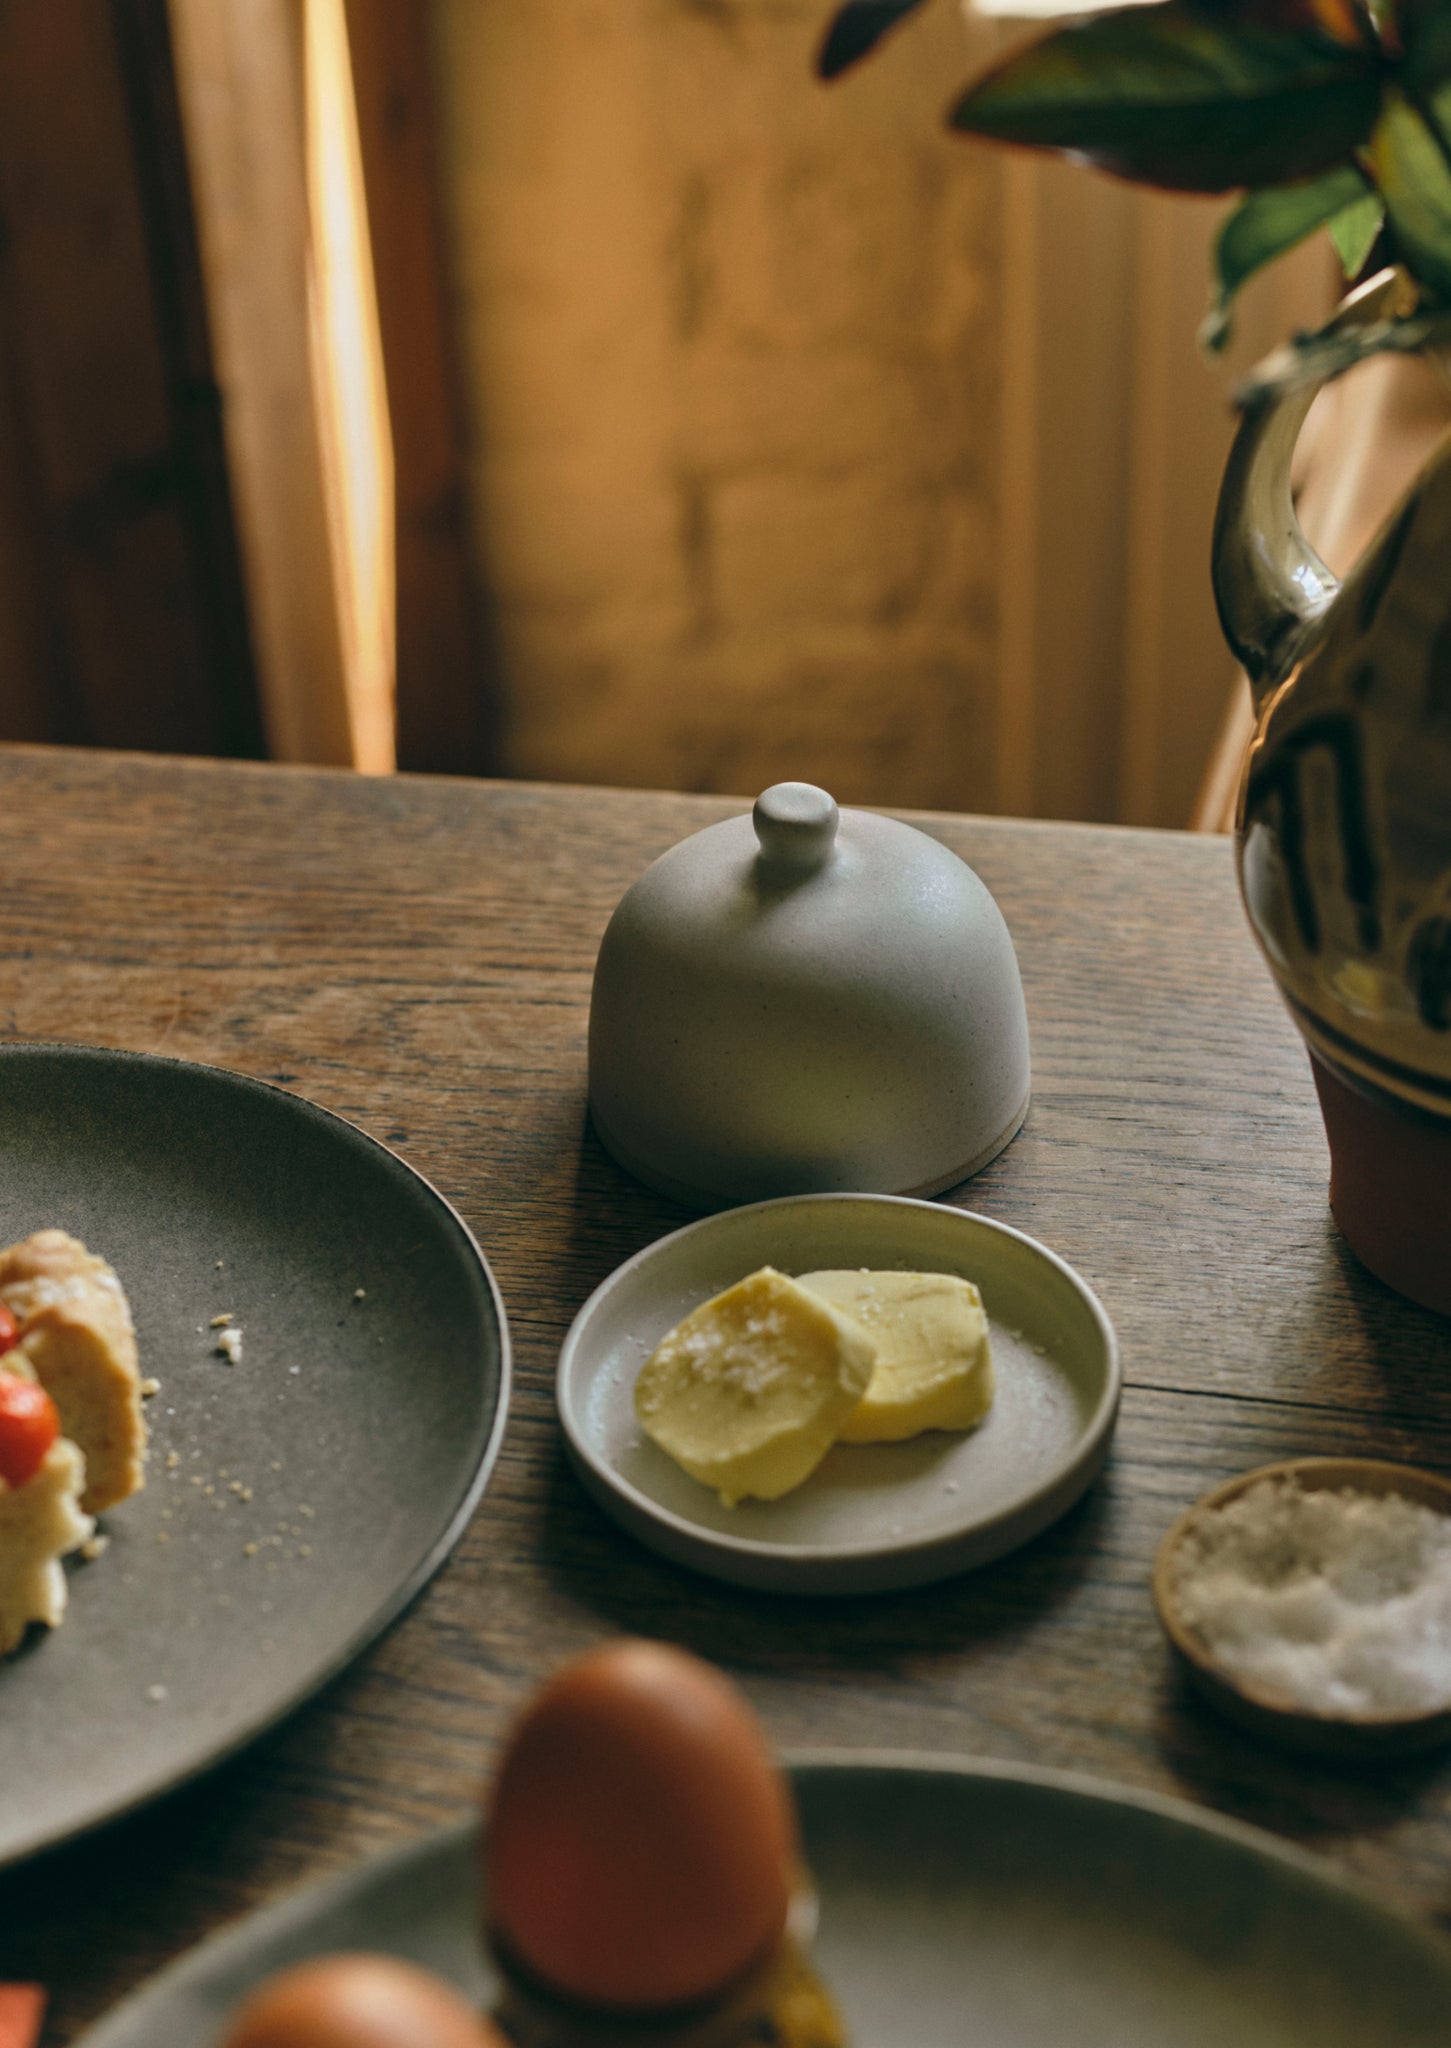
x,y
802,1000
795,825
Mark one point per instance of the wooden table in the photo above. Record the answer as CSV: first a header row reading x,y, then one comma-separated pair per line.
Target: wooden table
x,y
416,954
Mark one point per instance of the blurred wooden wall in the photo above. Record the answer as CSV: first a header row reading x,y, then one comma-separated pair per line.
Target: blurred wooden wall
x,y
123,620
170,575
447,693
773,432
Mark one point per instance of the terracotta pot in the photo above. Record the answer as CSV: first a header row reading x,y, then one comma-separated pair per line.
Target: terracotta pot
x,y
1390,1185
1344,826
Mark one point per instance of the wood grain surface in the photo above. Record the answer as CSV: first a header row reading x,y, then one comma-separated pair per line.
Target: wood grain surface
x,y
416,953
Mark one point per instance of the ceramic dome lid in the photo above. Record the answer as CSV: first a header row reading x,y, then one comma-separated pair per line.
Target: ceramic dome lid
x,y
806,999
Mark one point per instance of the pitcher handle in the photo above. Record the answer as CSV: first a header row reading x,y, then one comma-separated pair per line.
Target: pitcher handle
x,y
1270,586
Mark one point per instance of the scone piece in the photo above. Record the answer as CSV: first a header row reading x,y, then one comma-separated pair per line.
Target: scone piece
x,y
40,1523
749,1391
76,1338
934,1365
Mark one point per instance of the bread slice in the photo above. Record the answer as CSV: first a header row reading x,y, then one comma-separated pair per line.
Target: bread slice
x,y
76,1338
39,1523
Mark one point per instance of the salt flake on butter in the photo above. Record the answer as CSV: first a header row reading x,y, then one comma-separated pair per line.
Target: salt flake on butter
x,y
747,1394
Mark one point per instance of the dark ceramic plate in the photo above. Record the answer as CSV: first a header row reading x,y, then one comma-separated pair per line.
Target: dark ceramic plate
x,y
297,1499
959,1902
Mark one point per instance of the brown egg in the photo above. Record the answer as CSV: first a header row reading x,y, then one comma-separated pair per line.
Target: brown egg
x,y
358,2001
641,1845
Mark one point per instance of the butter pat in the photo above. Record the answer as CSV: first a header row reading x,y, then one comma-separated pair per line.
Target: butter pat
x,y
748,1393
934,1366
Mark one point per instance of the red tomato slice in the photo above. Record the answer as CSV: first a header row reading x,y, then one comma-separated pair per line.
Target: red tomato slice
x,y
9,1338
29,1426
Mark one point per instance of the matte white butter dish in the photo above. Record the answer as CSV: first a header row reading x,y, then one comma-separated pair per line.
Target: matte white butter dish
x,y
806,1000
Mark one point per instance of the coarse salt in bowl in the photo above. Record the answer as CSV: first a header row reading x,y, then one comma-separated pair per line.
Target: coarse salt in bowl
x,y
1312,1600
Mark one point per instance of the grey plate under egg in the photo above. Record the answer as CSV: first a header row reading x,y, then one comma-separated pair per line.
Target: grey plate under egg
x,y
871,1517
960,1902
296,1500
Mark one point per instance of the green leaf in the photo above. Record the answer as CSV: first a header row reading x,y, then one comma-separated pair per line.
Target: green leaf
x,y
1343,21
1181,96
1385,17
856,28
1265,225
1424,28
1354,232
1410,162
1269,222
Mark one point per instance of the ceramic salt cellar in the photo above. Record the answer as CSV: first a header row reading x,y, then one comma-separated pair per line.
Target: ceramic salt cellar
x,y
806,1000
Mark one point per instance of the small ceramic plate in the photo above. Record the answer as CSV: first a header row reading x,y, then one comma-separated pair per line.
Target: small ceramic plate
x,y
1350,1737
959,1901
295,1500
871,1517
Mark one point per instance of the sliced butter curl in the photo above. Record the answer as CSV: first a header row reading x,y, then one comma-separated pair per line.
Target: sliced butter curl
x,y
748,1393
934,1367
